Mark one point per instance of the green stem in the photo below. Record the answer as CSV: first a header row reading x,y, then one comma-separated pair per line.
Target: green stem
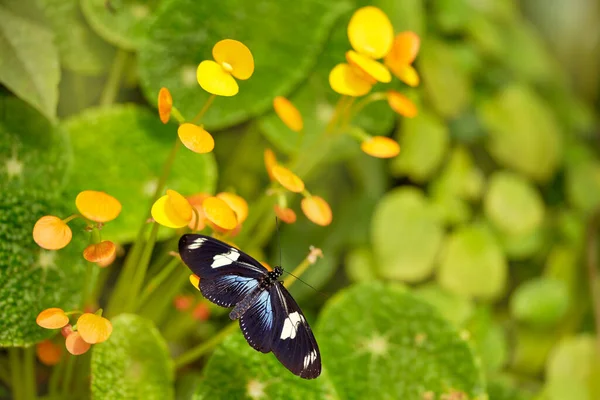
x,y
29,382
16,370
160,187
57,372
4,372
204,109
158,280
113,83
142,267
177,115
592,267
203,348
68,375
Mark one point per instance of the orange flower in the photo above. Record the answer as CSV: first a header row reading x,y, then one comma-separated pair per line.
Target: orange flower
x,y
287,179
317,210
401,56
285,214
75,344
401,104
100,252
94,328
98,206
381,147
270,162
165,104
182,302
201,312
219,212
237,204
232,59
172,210
289,114
51,233
108,261
195,281
196,138
48,352
52,318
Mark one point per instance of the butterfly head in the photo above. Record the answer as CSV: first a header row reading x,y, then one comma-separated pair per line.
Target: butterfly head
x,y
275,274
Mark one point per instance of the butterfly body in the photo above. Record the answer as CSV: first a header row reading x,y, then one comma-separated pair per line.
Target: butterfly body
x,y
270,319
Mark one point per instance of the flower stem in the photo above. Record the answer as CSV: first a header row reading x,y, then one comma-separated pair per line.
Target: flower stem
x,y
592,267
157,281
70,361
113,83
204,109
142,267
57,372
29,382
15,373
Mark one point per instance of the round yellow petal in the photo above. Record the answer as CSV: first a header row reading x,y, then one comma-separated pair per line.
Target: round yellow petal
x,y
172,210
234,57
401,104
215,80
218,212
270,162
317,210
345,80
48,352
372,68
52,318
237,204
196,138
287,179
289,114
407,74
195,281
76,345
51,233
380,147
404,50
93,328
98,206
100,252
165,105
370,32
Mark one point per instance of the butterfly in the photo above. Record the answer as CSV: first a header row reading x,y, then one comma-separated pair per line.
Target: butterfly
x,y
270,319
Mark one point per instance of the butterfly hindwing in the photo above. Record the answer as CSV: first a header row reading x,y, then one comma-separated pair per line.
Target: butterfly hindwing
x,y
257,323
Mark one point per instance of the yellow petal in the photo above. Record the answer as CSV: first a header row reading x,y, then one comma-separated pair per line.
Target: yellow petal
x,y
289,114
195,281
401,104
404,50
270,162
218,212
172,210
196,138
100,252
234,57
51,233
374,69
75,344
215,80
288,179
98,206
407,74
94,328
370,32
317,210
344,80
380,147
165,105
237,204
52,318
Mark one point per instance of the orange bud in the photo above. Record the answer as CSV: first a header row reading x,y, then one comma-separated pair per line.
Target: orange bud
x,y
289,114
66,330
237,204
52,318
287,215
165,104
404,49
201,312
288,179
94,328
195,281
98,206
317,210
381,147
196,138
218,212
108,261
401,104
51,233
182,302
48,352
270,162
76,345
100,252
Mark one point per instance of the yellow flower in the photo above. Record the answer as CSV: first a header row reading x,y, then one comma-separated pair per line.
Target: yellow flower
x,y
196,138
317,210
289,114
404,51
232,59
219,213
270,162
287,179
52,318
165,105
97,206
75,344
237,204
195,281
51,233
100,253
401,104
172,210
347,80
380,147
93,328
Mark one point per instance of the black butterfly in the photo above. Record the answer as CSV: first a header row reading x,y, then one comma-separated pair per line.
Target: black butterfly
x,y
269,317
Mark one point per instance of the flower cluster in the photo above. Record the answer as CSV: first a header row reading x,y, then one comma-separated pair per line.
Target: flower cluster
x,y
89,329
96,208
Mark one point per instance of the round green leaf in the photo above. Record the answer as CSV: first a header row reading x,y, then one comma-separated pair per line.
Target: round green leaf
x,y
283,50
573,369
133,363
460,177
489,339
456,309
142,144
523,134
377,341
540,301
424,143
583,185
237,371
124,23
360,264
472,263
531,348
406,235
513,204
522,247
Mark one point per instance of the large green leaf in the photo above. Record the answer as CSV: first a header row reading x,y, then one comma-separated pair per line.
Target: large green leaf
x,y
133,363
540,301
406,235
29,64
237,371
142,144
379,342
283,49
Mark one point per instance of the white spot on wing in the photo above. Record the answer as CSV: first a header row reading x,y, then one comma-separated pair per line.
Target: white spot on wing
x,y
220,260
310,358
196,244
290,325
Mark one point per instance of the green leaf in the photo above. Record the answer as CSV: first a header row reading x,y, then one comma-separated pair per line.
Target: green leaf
x,y
406,235
472,263
283,49
541,302
489,340
124,23
456,309
360,265
501,388
513,204
237,371
523,246
573,369
133,363
460,177
582,185
80,49
424,143
143,145
523,134
29,65
377,341
530,350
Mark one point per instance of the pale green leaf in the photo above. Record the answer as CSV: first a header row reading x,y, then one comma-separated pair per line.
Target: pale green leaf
x,y
540,301
360,265
582,185
455,308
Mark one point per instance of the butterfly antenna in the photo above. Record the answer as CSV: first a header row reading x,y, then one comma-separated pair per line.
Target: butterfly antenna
x,y
278,239
318,291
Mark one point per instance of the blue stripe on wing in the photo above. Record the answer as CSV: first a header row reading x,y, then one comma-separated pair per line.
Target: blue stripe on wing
x,y
257,323
227,290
